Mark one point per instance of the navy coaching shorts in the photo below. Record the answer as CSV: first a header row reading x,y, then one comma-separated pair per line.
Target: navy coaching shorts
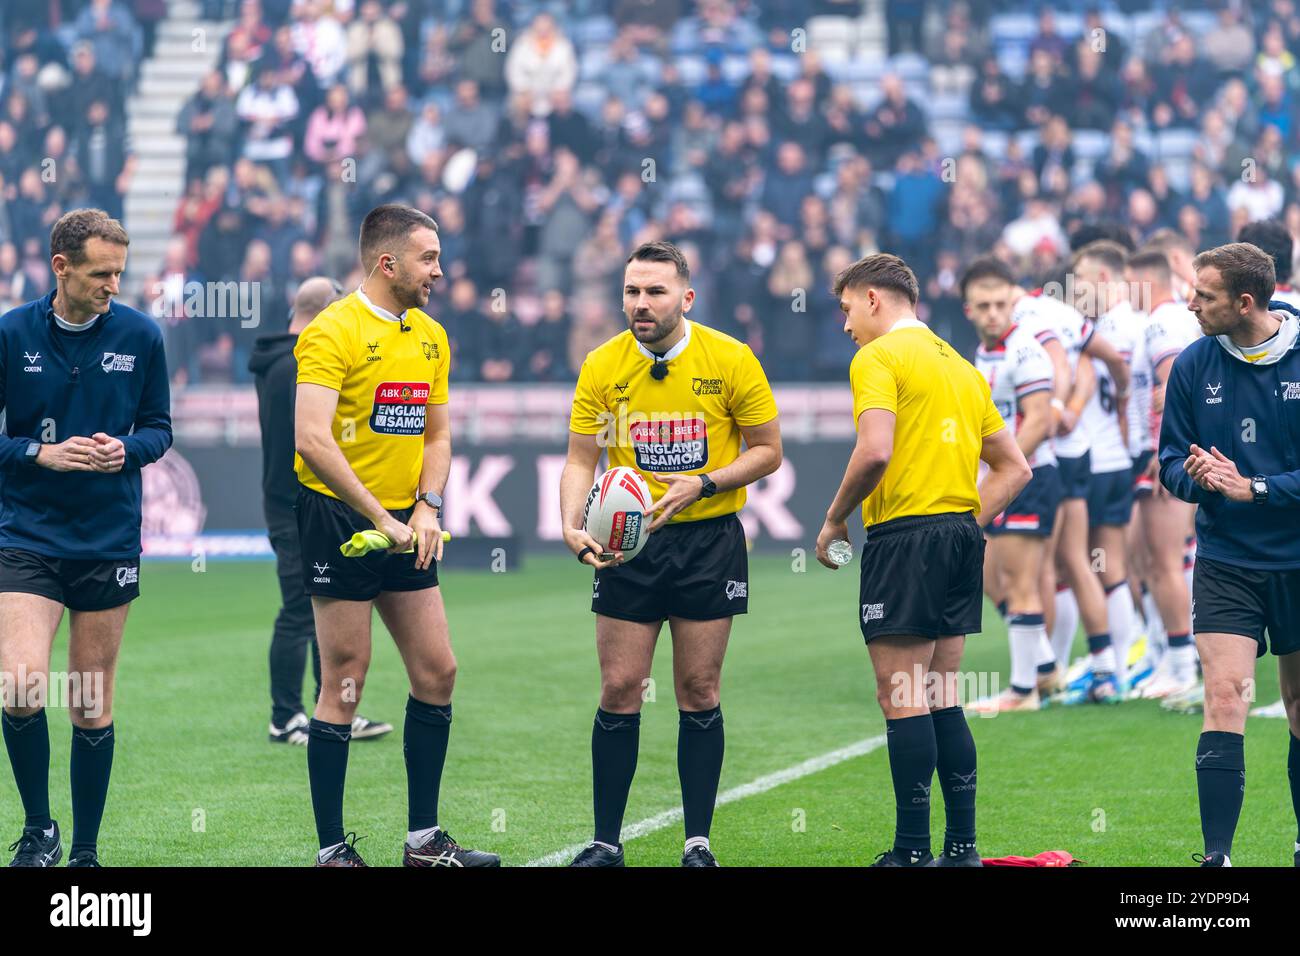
x,y
78,585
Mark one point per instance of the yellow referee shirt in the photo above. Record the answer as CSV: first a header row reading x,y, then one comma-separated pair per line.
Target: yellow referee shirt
x,y
943,414
385,379
688,422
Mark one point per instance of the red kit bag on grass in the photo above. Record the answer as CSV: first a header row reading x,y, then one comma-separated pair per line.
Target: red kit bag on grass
x,y
1046,858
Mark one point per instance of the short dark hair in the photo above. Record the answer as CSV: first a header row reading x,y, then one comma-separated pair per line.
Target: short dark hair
x,y
661,250
1245,268
1147,259
1111,254
1110,229
1166,239
69,235
882,270
986,267
387,227
1273,237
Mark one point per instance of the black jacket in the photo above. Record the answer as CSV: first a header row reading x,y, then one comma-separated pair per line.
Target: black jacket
x,y
275,373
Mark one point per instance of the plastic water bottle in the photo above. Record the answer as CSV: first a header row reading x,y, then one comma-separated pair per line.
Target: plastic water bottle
x,y
840,551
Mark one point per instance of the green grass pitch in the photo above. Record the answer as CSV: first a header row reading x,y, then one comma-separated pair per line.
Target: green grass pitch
x,y
195,781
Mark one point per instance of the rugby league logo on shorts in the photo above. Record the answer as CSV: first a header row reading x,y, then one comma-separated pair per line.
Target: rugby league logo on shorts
x,y
873,612
127,575
670,445
399,408
737,589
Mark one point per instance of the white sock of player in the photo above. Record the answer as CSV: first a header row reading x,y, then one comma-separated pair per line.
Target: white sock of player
x,y
418,838
1046,656
1157,639
1119,611
1025,630
1063,628
693,842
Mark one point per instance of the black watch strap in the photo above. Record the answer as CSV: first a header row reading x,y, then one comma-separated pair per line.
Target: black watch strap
x,y
707,488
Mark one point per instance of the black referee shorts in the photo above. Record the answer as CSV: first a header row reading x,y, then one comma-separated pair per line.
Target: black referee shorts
x,y
1229,599
698,570
324,523
78,585
922,576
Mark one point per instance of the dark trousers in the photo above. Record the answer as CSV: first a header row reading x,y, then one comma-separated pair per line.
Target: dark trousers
x,y
295,627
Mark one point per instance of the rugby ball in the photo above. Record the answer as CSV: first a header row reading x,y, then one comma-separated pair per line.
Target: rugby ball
x,y
615,514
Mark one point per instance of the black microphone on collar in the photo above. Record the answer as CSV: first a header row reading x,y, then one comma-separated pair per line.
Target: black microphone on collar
x,y
401,323
659,370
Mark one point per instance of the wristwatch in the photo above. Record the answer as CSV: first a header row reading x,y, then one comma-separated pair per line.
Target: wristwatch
x,y
707,488
1259,488
31,453
432,500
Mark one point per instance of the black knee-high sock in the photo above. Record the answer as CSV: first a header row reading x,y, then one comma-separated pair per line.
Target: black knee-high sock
x,y
700,743
614,741
28,741
92,763
424,745
1293,772
327,770
1221,784
956,765
913,754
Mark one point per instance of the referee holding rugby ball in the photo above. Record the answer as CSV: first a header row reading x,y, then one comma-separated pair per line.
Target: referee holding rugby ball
x,y
672,399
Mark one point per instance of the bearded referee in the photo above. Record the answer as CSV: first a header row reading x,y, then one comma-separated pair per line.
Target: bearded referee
x,y
925,419
83,382
1228,442
374,448
674,400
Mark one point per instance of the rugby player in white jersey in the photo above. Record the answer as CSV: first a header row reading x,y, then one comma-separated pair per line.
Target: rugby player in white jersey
x,y
1020,377
1162,521
1101,293
1083,597
1060,330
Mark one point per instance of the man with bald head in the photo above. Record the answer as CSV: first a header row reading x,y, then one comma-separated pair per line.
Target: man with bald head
x,y
275,371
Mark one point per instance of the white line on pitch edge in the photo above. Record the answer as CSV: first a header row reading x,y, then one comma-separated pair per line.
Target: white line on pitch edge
x,y
752,789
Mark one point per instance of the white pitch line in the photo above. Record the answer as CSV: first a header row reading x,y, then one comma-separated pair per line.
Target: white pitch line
x,y
752,789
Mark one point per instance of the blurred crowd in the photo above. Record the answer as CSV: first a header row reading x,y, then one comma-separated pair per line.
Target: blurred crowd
x,y
548,139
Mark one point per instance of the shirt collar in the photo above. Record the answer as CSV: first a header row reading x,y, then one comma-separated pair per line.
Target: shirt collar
x,y
378,310
673,352
907,322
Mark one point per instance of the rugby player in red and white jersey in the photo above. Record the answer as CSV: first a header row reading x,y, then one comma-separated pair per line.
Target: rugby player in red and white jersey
x,y
1083,598
1162,521
1020,377
1101,293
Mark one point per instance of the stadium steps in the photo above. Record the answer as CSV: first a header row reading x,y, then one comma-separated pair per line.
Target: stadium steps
x,y
187,48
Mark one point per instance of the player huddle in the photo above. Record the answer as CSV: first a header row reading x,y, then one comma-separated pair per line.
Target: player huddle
x,y
1038,476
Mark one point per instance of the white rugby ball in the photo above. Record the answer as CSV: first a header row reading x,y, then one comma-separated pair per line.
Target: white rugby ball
x,y
616,512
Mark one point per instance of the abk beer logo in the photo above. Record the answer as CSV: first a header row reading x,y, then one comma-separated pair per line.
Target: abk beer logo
x,y
673,445
399,408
